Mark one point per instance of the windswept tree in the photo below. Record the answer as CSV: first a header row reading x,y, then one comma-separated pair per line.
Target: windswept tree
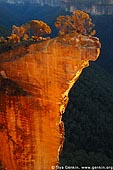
x,y
80,22
83,22
35,27
39,28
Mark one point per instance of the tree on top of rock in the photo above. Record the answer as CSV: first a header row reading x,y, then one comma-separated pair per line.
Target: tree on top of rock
x,y
39,28
35,27
80,22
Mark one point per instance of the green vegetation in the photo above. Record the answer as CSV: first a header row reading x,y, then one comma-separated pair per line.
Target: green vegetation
x,y
32,31
35,30
89,120
80,22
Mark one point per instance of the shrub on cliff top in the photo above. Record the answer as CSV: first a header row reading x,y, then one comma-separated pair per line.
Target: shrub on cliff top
x,y
80,22
39,28
35,27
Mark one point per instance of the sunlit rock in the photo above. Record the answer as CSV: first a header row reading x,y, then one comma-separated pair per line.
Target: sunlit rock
x,y
31,130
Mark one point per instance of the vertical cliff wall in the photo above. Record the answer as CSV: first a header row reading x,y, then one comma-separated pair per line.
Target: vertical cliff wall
x,y
94,7
31,131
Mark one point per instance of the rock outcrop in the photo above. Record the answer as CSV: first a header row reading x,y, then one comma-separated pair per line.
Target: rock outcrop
x,y
31,130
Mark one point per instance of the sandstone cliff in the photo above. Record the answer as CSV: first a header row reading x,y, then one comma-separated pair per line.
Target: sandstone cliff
x,y
94,7
31,131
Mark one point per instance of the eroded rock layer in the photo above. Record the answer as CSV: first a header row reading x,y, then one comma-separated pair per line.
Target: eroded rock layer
x,y
31,131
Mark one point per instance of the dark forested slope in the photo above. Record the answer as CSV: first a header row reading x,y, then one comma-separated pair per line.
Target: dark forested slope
x,y
89,120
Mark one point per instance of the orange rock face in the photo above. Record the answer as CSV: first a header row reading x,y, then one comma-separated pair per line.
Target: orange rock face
x,y
31,131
